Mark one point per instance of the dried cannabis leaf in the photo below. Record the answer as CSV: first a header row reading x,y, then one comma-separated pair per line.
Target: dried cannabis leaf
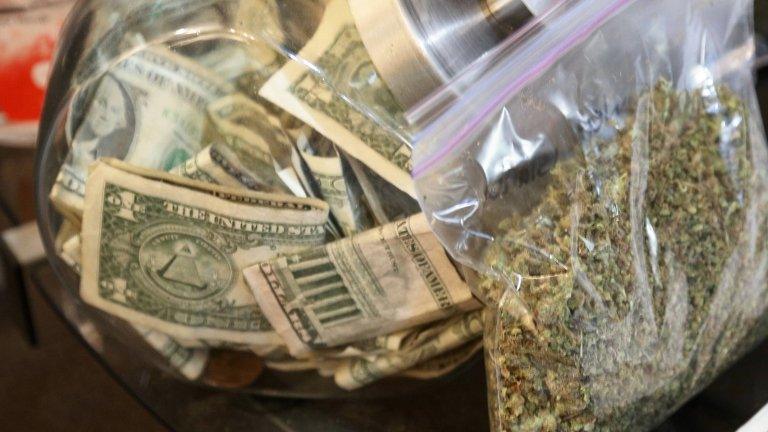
x,y
618,270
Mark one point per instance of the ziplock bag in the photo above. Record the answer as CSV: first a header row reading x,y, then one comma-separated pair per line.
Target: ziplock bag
x,y
604,171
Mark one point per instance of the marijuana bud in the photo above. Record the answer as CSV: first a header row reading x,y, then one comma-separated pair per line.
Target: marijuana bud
x,y
641,273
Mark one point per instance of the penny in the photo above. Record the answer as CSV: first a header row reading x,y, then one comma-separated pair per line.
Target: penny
x,y
232,369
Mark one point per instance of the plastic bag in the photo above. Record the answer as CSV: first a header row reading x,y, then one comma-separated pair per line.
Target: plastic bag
x,y
605,172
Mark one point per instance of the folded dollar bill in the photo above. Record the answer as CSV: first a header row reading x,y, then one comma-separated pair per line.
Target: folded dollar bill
x,y
336,183
187,361
235,164
356,373
167,253
337,46
446,363
386,202
149,109
383,280
432,351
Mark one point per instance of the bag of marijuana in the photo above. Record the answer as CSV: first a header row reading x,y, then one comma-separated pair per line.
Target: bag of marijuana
x,y
605,173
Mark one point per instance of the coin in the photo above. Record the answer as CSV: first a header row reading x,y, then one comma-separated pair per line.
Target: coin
x,y
232,369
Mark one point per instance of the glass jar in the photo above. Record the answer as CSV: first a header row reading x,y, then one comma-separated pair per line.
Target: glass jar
x,y
129,71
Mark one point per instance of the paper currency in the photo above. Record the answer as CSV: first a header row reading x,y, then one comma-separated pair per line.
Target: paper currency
x,y
353,374
255,137
248,67
386,345
235,164
71,253
337,185
166,252
149,110
189,362
237,115
330,359
444,364
66,231
370,348
378,282
290,364
246,119
386,202
402,340
304,174
338,48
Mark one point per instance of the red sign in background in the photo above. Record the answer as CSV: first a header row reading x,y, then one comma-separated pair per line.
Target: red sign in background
x,y
27,42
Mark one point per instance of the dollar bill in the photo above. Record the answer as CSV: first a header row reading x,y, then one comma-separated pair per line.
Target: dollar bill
x,y
328,362
247,66
63,243
290,364
238,163
300,175
255,138
436,367
329,359
238,115
355,373
386,202
325,105
150,110
240,167
383,280
402,340
166,252
445,363
336,184
304,175
188,362
70,253
369,348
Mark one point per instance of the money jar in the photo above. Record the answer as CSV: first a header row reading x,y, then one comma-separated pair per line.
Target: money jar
x,y
224,190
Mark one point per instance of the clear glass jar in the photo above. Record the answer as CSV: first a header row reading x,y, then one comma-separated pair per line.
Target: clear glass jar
x,y
219,47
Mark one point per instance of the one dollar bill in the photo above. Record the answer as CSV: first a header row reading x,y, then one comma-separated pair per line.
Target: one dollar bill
x,y
236,166
149,109
356,373
258,141
167,253
189,362
338,48
337,185
383,280
446,363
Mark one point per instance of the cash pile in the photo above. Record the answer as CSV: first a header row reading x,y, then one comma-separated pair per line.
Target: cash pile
x,y
228,199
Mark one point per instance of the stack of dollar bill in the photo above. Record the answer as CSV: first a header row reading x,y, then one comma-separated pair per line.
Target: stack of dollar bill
x,y
226,198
